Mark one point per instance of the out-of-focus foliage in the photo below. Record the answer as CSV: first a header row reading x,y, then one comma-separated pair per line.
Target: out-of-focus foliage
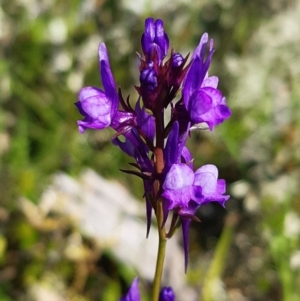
x,y
48,51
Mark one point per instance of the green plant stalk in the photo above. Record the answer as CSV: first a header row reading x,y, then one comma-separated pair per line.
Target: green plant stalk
x,y
217,265
158,208
160,254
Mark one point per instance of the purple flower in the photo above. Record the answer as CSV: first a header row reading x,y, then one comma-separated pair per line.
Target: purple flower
x,y
212,189
148,78
202,100
133,293
100,108
177,60
178,186
182,185
167,294
155,41
145,121
188,195
166,169
184,190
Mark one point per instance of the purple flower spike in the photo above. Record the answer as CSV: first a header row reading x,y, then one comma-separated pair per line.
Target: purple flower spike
x,y
133,293
202,100
154,39
167,294
97,106
190,97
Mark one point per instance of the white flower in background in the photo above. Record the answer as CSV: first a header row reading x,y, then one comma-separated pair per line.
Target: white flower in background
x,y
75,80
85,53
57,31
292,225
62,61
295,260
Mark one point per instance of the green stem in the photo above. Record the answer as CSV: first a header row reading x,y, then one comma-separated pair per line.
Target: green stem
x,y
158,208
160,254
217,265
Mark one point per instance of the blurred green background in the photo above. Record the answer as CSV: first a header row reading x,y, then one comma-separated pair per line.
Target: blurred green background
x,y
48,51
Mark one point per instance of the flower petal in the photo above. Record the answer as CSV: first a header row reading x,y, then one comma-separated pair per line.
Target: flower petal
x,y
193,80
154,39
206,177
177,186
133,293
185,224
171,149
145,121
214,94
201,46
148,35
216,116
166,294
213,189
179,176
88,92
187,157
95,107
107,78
95,104
211,81
200,103
198,70
161,38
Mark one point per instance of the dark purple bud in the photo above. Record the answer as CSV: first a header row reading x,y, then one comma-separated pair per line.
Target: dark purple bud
x,y
148,79
154,39
177,60
167,294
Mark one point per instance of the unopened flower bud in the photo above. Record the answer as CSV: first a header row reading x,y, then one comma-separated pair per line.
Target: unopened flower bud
x,y
177,60
148,79
167,294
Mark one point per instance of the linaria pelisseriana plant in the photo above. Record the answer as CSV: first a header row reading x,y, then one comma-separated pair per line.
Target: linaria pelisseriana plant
x,y
172,187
